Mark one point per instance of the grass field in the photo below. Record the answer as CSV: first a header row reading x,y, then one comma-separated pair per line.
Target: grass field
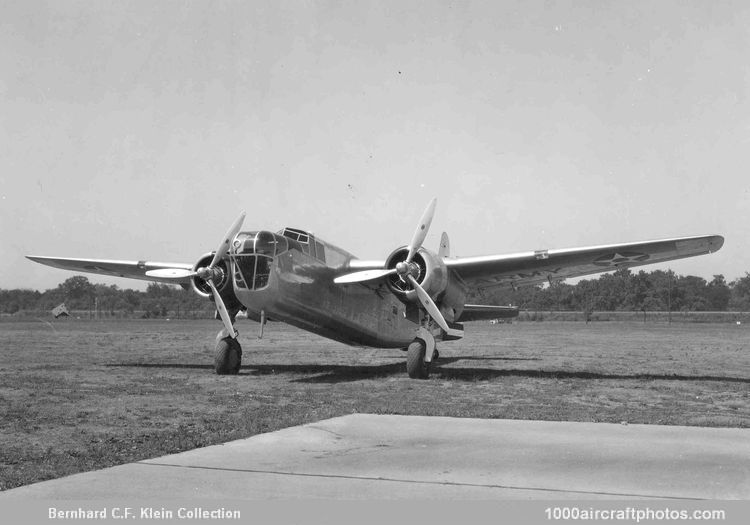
x,y
80,395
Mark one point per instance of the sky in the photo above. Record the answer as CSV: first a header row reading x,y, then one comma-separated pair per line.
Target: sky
x,y
140,130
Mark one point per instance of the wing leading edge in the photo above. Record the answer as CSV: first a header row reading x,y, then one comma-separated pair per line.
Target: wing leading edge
x,y
553,265
128,269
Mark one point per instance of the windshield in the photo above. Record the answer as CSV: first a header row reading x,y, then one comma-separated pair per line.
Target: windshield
x,y
253,255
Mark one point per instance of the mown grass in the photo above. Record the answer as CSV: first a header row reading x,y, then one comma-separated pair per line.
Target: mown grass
x,y
81,395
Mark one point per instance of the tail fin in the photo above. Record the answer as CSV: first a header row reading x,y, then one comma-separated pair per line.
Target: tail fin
x,y
445,247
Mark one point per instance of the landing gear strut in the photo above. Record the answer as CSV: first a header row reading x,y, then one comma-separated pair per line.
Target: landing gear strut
x,y
228,356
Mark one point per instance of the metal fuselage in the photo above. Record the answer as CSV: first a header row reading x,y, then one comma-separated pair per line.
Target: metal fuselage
x,y
297,288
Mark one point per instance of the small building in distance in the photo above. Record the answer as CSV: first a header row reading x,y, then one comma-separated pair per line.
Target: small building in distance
x,y
60,311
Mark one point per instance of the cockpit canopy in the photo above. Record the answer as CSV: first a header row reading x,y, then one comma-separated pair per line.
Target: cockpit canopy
x,y
253,254
259,243
305,242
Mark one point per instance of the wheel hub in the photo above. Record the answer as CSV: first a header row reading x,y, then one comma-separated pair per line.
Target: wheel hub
x,y
403,269
215,274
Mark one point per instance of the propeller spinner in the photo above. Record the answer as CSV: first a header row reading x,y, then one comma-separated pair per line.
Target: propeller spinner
x,y
407,269
209,274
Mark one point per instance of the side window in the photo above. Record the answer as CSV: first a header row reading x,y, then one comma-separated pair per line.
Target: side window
x,y
294,245
245,266
281,244
320,251
263,270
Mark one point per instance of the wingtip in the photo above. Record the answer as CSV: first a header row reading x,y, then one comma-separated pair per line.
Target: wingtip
x,y
717,242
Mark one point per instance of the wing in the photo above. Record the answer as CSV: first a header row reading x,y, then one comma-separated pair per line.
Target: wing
x,y
552,265
128,269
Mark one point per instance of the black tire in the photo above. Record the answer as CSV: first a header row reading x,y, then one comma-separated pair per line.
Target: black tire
x,y
228,356
416,366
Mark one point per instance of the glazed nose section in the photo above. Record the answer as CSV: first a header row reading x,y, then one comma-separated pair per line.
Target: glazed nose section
x,y
254,253
265,244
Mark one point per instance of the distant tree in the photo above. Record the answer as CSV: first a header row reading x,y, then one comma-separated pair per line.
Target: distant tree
x,y
131,300
740,294
78,292
718,294
614,290
662,291
110,299
559,296
12,301
641,289
691,293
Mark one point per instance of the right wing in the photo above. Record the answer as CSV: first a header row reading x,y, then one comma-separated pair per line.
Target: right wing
x,y
552,265
127,269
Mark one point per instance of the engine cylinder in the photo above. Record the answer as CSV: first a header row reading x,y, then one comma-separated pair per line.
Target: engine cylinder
x,y
202,288
448,292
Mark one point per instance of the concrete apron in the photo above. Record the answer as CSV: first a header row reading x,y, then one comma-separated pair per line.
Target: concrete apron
x,y
405,457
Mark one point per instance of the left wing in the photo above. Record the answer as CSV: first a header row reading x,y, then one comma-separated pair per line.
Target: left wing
x,y
553,265
129,269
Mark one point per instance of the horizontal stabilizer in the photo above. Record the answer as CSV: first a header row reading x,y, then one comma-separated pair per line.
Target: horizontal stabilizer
x,y
481,312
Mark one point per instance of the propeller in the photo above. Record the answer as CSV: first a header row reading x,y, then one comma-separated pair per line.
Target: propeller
x,y
428,304
421,232
416,243
209,274
407,269
213,272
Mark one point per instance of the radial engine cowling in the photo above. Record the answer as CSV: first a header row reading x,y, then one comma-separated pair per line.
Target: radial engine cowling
x,y
446,290
224,286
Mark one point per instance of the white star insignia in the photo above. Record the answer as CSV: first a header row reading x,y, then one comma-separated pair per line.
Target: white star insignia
x,y
618,259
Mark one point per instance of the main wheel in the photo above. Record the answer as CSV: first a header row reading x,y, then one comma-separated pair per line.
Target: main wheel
x,y
228,356
416,366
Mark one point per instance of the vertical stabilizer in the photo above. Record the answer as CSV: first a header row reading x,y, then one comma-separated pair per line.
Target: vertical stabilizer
x,y
445,247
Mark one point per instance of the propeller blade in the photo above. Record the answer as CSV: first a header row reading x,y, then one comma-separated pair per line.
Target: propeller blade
x,y
170,273
360,277
222,310
422,229
231,234
428,304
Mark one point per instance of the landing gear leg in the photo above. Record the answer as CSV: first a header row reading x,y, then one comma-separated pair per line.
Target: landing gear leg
x,y
228,355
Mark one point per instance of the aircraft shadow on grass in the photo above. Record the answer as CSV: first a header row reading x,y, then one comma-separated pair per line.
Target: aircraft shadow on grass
x,y
325,373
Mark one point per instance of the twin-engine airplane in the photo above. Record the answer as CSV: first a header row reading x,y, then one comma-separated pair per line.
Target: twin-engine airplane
x,y
412,299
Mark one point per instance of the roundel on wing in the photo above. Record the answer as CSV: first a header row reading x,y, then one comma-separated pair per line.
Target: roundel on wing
x,y
620,258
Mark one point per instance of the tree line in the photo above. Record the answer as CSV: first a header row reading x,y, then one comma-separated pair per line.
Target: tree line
x,y
623,290
619,291
80,295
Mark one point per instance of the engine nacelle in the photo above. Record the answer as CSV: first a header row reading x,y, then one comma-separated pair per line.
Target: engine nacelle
x,y
225,288
448,292
202,288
